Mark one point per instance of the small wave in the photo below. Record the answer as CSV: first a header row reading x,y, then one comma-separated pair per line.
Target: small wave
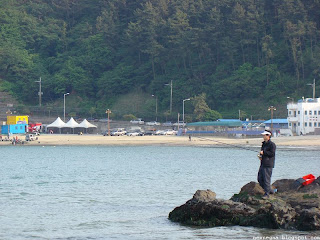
x,y
42,183
94,225
24,194
17,177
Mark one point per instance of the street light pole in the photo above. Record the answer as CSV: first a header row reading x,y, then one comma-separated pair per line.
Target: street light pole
x,y
170,84
39,93
156,106
313,88
64,106
271,108
188,99
108,112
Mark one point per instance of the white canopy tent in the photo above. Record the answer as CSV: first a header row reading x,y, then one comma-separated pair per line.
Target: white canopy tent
x,y
71,124
58,123
85,124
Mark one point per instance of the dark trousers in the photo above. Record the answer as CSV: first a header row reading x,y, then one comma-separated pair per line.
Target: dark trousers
x,y
264,178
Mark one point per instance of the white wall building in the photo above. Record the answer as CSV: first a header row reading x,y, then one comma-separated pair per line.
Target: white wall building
x,y
304,116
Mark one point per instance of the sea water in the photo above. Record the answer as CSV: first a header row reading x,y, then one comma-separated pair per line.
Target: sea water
x,y
108,192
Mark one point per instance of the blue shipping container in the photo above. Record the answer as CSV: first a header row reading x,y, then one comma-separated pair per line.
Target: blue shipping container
x,y
14,129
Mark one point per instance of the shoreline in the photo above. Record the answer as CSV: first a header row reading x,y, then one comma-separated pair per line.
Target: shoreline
x,y
311,141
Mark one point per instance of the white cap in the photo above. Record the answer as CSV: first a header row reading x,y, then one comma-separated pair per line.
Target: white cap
x,y
266,133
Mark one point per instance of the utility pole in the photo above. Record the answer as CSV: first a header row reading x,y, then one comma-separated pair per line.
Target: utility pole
x,y
108,112
156,106
39,93
272,108
64,106
170,84
313,88
171,98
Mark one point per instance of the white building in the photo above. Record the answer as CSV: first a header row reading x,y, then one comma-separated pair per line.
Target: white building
x,y
304,116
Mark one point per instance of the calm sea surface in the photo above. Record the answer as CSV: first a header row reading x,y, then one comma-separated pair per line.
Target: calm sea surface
x,y
86,192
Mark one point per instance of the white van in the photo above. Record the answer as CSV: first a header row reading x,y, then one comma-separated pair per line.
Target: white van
x,y
31,137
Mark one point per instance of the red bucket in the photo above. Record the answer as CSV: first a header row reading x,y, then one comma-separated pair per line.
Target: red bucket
x,y
308,179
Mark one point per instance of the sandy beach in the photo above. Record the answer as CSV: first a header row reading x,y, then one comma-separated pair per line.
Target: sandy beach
x,y
92,139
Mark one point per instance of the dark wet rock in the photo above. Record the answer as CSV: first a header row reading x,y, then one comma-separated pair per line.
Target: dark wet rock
x,y
213,213
252,188
289,208
285,185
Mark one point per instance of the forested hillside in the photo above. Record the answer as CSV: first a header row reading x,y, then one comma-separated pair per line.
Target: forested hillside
x,y
237,54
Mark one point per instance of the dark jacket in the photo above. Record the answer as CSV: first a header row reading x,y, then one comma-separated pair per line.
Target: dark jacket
x,y
269,154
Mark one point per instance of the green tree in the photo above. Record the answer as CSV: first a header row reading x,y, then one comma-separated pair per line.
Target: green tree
x,y
94,56
234,51
115,82
146,27
267,49
211,115
92,111
179,36
129,117
200,106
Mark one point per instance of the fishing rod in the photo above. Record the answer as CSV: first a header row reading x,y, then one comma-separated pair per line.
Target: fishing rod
x,y
228,144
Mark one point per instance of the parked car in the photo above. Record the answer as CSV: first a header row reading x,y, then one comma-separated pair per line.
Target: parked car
x,y
170,132
160,132
134,129
118,132
137,121
153,123
150,132
180,124
132,134
167,124
135,134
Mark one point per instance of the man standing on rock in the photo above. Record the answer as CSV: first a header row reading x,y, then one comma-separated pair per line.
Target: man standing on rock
x,y
267,158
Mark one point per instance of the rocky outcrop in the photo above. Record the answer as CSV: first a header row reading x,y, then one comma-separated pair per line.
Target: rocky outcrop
x,y
289,208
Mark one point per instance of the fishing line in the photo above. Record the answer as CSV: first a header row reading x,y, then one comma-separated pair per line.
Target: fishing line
x,y
231,145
